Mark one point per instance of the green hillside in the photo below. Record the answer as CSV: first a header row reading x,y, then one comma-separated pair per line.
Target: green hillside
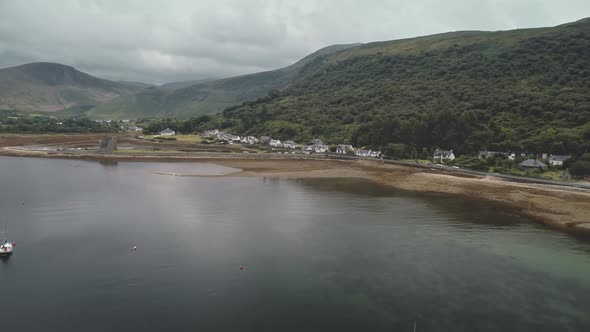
x,y
519,90
51,87
205,97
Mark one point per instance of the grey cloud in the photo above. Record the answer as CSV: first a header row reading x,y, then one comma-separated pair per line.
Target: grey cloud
x,y
161,41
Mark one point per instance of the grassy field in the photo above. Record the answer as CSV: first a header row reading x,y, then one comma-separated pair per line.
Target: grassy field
x,y
180,138
151,151
553,174
189,138
419,161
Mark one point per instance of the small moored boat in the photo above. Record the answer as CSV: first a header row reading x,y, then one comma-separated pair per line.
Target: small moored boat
x,y
6,249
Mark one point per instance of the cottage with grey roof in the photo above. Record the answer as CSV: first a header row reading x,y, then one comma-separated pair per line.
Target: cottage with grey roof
x,y
290,145
167,132
532,163
556,160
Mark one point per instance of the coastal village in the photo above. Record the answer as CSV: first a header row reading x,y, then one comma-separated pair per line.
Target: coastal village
x,y
440,157
316,146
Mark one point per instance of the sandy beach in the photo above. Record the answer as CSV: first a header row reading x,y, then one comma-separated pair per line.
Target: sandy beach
x,y
563,208
558,207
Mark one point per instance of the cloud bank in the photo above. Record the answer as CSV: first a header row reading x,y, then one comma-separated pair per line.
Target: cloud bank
x,y
163,41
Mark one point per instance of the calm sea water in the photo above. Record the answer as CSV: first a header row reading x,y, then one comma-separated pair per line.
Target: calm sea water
x,y
321,255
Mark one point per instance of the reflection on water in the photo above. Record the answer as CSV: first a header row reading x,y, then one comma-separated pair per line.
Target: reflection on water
x,y
337,254
108,162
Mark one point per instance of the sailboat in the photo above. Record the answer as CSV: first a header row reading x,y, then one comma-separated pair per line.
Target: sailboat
x,y
6,248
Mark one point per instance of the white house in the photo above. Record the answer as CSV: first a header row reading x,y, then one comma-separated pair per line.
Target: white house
x,y
133,128
234,138
276,143
290,145
344,148
211,133
362,153
512,156
443,155
307,148
368,153
556,160
250,140
321,148
374,154
167,132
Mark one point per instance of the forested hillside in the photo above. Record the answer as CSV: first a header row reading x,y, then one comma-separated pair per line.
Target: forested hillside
x,y
521,90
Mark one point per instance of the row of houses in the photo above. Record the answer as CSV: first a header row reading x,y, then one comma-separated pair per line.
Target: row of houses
x,y
554,160
316,146
132,128
231,138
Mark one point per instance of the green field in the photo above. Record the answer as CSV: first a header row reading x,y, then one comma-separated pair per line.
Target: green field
x,y
188,138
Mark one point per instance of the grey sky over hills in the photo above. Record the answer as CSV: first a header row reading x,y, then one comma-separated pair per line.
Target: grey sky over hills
x,y
163,41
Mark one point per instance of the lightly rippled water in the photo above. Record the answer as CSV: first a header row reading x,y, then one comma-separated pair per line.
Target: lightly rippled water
x,y
318,255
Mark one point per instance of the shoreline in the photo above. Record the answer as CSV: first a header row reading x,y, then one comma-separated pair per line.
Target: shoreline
x,y
562,208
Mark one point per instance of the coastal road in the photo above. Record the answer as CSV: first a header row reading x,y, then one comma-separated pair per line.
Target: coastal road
x,y
513,178
448,169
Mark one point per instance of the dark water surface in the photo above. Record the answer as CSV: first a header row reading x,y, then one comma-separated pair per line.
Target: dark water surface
x,y
321,255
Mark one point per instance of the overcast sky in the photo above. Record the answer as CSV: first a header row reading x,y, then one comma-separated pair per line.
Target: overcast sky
x,y
174,40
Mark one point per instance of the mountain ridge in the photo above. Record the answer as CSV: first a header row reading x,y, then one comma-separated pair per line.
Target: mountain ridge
x,y
206,97
50,87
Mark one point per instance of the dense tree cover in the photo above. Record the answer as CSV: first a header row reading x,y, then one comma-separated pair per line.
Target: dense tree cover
x,y
528,93
189,126
13,122
581,166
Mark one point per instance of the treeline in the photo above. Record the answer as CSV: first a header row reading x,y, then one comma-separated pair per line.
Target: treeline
x,y
12,122
189,126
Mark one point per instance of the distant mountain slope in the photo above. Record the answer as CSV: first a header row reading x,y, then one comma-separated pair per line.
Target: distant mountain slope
x,y
139,85
183,84
50,87
206,97
526,89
